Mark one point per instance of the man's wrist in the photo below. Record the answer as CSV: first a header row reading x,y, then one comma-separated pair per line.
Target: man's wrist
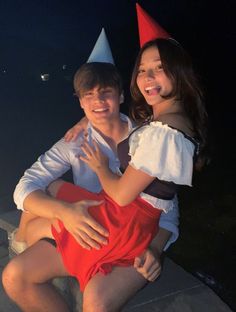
x,y
157,252
60,211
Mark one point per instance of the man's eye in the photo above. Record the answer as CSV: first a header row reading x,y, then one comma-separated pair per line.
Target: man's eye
x,y
106,90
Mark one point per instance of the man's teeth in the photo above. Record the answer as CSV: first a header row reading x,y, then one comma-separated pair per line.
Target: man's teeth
x,y
100,109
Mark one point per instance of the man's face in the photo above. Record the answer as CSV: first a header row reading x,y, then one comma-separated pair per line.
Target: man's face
x,y
101,105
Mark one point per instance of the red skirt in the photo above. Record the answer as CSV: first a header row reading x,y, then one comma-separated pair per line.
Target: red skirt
x,y
131,229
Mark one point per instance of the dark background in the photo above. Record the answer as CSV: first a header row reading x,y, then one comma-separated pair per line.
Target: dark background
x,y
40,36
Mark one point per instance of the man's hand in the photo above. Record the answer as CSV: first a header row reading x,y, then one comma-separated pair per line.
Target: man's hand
x,y
148,264
73,133
87,232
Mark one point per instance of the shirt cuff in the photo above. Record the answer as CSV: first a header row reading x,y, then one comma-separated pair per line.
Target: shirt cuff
x,y
171,228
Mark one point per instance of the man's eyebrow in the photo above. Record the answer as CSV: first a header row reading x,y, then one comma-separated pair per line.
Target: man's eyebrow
x,y
107,87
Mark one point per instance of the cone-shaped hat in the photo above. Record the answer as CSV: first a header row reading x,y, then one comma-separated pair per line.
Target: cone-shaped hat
x,y
148,28
101,51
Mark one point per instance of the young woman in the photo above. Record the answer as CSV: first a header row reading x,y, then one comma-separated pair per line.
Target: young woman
x,y
157,157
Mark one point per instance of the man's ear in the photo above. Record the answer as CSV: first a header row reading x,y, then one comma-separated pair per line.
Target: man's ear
x,y
81,105
122,98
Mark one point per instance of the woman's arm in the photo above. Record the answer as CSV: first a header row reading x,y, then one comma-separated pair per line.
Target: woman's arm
x,y
122,189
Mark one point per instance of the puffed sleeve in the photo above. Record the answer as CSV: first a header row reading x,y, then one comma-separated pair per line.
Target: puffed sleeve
x,y
162,152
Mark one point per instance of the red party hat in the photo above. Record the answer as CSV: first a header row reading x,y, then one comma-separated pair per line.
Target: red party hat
x,y
148,28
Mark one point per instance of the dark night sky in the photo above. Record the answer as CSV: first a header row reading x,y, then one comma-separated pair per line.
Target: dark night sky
x,y
40,36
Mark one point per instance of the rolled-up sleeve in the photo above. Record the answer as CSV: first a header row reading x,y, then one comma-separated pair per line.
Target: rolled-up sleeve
x,y
49,166
170,222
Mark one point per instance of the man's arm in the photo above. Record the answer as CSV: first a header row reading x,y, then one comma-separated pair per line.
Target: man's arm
x,y
75,217
49,167
30,195
149,263
170,222
159,242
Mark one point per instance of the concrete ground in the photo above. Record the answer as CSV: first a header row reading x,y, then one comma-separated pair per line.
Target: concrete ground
x,y
175,291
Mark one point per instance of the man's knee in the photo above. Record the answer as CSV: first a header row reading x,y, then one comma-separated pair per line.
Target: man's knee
x,y
12,277
96,301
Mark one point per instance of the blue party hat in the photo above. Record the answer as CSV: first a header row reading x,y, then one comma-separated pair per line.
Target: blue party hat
x,y
101,51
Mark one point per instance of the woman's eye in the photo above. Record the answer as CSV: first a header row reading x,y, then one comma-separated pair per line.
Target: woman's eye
x,y
159,67
140,71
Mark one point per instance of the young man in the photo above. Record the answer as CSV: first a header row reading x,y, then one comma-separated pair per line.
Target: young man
x,y
60,158
30,272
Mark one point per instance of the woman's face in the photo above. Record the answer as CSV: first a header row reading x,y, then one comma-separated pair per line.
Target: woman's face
x,y
151,79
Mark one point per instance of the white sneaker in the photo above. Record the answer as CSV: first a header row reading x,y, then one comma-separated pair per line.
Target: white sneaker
x,y
15,246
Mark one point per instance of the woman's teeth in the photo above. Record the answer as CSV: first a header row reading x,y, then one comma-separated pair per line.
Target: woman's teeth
x,y
153,90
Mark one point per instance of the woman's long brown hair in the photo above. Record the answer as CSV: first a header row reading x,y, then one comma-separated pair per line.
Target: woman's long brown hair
x,y
186,89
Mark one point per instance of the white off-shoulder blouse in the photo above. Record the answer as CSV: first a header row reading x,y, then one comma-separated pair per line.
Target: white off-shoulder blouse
x,y
165,153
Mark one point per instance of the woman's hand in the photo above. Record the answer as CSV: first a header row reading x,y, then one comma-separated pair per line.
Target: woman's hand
x,y
93,157
148,264
72,133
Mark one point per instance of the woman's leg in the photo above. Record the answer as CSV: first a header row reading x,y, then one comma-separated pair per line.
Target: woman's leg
x,y
22,235
26,279
17,239
37,229
112,291
26,217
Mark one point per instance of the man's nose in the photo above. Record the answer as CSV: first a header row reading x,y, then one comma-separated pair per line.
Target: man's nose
x,y
99,97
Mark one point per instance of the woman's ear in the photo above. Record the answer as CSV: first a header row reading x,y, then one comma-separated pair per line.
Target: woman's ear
x,y
122,98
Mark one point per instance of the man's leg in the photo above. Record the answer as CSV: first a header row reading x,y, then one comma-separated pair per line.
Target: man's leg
x,y
112,291
26,279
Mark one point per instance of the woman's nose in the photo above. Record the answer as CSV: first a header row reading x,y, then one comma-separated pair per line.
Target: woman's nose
x,y
149,74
